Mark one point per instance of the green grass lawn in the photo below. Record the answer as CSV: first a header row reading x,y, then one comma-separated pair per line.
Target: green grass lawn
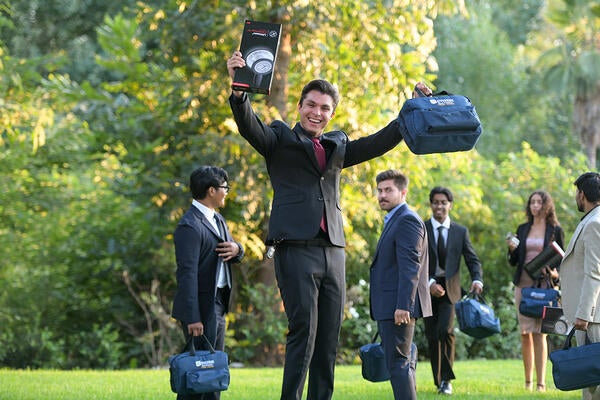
x,y
502,379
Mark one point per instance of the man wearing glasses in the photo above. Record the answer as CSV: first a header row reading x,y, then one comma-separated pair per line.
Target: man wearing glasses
x,y
204,250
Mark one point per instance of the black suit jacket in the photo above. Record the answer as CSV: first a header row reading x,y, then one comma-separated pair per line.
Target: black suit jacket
x,y
398,275
458,244
300,190
195,242
517,257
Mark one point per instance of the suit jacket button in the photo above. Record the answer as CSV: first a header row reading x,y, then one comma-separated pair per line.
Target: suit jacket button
x,y
322,178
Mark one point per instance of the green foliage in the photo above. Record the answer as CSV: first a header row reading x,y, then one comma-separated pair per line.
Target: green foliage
x,y
257,327
514,101
102,126
357,327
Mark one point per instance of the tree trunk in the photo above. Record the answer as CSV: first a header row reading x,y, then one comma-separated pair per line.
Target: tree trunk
x,y
586,122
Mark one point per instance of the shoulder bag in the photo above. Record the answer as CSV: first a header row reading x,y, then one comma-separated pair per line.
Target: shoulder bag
x,y
576,367
534,299
441,123
199,371
475,317
373,361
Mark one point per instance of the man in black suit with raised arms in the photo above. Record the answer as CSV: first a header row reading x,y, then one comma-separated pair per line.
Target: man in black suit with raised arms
x,y
305,226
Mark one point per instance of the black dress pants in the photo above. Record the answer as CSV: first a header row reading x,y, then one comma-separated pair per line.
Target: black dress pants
x,y
214,330
312,284
439,329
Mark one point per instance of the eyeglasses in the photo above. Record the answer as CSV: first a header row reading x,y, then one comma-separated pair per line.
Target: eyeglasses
x,y
225,187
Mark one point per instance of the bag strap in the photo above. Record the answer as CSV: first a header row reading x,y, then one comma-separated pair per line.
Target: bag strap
x,y
190,345
549,283
375,337
567,344
476,296
442,93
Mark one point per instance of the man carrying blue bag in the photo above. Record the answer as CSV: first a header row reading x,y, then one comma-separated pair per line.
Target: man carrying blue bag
x,y
580,284
199,372
204,250
398,281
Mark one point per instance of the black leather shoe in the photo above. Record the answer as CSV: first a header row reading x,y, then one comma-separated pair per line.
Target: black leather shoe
x,y
445,388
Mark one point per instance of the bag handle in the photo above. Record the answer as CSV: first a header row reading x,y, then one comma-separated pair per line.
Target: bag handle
x,y
475,296
567,344
375,337
190,344
544,279
421,94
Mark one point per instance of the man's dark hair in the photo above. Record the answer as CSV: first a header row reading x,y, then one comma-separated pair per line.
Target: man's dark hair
x,y
400,180
323,86
204,178
589,184
441,190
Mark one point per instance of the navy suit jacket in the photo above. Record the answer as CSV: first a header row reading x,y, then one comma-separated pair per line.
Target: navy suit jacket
x,y
195,243
399,272
458,244
300,190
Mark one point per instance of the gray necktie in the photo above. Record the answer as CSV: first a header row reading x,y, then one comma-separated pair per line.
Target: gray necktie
x,y
222,278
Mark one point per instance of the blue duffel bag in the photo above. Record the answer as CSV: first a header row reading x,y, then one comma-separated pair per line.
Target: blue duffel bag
x,y
475,317
199,371
373,360
533,301
576,367
442,123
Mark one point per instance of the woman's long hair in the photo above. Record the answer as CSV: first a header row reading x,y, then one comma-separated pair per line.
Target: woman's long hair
x,y
547,208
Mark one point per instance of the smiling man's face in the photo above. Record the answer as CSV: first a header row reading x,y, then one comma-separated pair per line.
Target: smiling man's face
x,y
315,112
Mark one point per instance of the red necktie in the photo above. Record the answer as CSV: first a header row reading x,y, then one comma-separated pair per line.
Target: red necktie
x,y
321,159
319,153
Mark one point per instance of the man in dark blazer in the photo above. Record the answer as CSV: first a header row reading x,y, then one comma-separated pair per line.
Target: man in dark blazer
x,y
445,285
204,250
398,283
305,226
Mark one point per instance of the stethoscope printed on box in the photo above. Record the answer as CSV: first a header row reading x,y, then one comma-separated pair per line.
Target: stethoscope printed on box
x,y
260,61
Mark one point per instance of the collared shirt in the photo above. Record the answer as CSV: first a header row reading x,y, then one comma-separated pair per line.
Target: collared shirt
x,y
209,213
446,224
435,225
391,213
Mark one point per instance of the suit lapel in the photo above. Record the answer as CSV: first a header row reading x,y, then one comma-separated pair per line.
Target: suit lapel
x,y
307,144
579,229
388,226
205,222
452,245
221,223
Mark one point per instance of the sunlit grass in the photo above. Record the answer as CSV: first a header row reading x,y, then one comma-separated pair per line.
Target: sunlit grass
x,y
477,379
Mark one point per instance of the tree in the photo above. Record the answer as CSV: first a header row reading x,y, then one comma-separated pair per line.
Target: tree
x,y
95,166
571,66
